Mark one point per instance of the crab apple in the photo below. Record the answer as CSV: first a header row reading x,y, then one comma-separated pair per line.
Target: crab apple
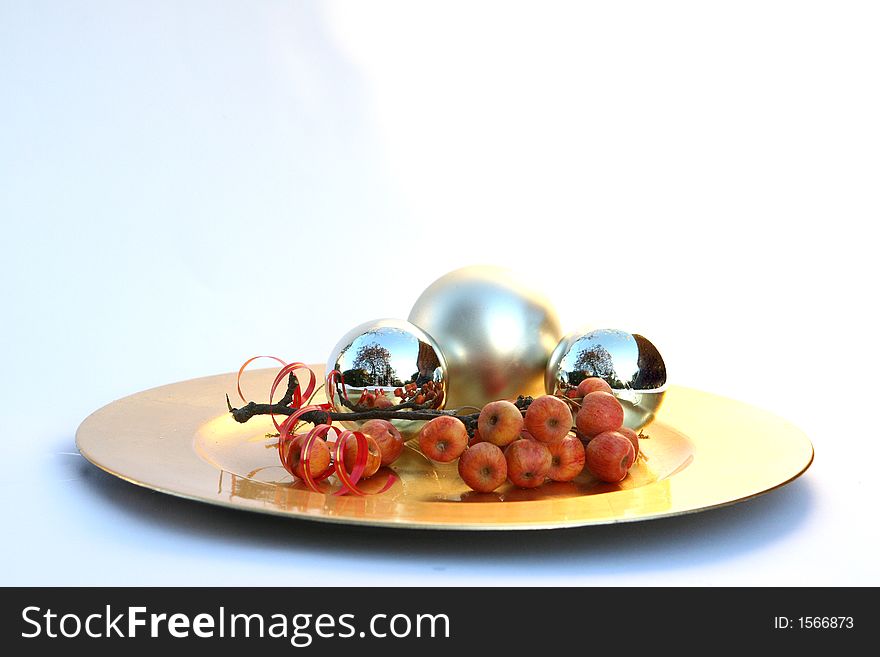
x,y
443,439
528,463
500,422
386,436
592,384
374,456
483,467
319,456
609,456
548,419
633,438
600,411
382,402
567,459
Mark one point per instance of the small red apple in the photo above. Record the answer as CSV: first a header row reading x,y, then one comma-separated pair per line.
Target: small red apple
x,y
382,402
600,411
443,439
548,419
567,458
500,422
483,467
633,438
319,456
609,456
528,463
386,436
374,456
592,384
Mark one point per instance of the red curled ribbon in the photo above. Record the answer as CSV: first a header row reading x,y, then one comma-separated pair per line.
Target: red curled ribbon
x,y
332,378
350,481
244,366
347,481
298,396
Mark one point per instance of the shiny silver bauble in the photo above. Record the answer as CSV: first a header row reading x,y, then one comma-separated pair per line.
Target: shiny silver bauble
x,y
495,331
382,356
628,362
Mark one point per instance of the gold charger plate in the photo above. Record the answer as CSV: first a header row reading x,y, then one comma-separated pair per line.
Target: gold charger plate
x,y
705,451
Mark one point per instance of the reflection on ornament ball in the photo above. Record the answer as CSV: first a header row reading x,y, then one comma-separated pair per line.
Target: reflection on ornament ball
x,y
628,362
495,332
378,357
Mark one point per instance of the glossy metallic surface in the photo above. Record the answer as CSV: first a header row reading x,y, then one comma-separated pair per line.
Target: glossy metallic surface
x,y
628,362
382,355
495,332
705,451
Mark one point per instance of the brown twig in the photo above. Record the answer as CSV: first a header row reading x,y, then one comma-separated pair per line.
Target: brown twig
x,y
405,411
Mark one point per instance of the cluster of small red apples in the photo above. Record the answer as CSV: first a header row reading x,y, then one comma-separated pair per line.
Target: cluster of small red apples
x,y
546,443
540,445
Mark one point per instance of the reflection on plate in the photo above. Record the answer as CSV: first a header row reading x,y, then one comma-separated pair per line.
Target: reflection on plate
x,y
705,451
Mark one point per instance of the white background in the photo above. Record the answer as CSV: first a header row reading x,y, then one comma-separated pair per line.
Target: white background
x,y
183,185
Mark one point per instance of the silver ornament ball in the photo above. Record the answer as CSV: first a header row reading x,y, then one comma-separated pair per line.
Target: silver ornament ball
x,y
495,331
628,362
383,355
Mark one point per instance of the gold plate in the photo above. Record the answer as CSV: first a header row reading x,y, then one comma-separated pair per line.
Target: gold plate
x,y
704,451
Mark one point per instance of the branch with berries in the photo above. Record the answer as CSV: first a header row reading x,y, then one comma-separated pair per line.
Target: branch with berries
x,y
416,404
526,442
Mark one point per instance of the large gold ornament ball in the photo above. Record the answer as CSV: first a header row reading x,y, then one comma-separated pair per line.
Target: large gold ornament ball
x,y
495,331
628,362
378,357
